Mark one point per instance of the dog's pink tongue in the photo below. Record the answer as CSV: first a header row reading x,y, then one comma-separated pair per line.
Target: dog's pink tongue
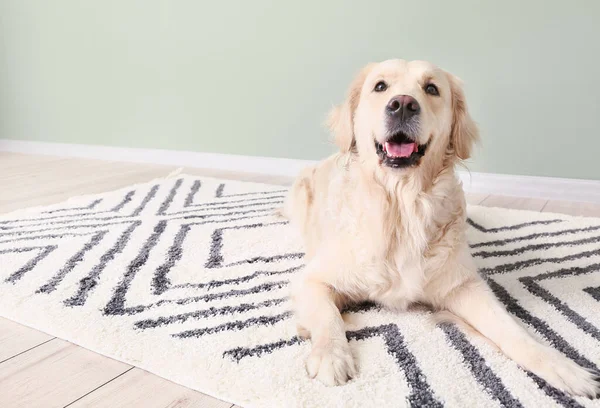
x,y
400,150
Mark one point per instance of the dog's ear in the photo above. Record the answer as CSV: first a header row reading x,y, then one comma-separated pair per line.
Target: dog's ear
x,y
464,133
341,117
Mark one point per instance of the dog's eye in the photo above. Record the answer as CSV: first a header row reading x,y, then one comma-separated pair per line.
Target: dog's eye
x,y
431,89
380,86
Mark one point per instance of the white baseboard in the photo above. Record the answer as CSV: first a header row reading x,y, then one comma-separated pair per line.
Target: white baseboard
x,y
485,183
549,188
227,162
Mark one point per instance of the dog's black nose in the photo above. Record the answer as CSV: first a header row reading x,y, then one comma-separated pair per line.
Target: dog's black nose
x,y
403,107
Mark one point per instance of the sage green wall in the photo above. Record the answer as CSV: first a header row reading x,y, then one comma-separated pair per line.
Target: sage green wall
x,y
256,77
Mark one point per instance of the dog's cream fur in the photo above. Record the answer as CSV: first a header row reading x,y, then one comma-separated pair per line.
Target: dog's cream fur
x,y
397,236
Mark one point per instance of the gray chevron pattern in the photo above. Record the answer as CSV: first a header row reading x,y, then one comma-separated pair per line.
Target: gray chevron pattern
x,y
188,278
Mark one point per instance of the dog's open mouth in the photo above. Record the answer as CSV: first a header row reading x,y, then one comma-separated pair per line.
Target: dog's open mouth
x,y
400,151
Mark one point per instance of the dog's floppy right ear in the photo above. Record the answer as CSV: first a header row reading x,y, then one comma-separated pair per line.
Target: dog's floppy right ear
x,y
464,132
341,117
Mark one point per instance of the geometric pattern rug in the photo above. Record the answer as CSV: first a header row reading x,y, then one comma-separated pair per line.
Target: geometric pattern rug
x,y
187,278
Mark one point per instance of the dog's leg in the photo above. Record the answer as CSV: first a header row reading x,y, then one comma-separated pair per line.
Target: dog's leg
x,y
317,308
474,302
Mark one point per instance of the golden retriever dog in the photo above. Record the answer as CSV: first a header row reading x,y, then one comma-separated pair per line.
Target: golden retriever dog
x,y
384,220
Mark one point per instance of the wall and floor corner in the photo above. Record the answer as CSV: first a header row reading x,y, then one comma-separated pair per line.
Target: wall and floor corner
x,y
256,79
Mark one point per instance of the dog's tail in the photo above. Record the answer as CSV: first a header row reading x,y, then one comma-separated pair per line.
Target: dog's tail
x,y
299,201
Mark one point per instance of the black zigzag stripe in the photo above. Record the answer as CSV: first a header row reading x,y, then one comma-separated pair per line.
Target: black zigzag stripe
x,y
264,211
510,227
504,268
235,325
87,284
225,202
556,341
209,297
46,237
165,205
71,263
212,311
149,197
268,259
557,395
65,228
536,247
78,219
94,204
215,259
244,307
197,209
239,353
219,192
189,200
421,394
61,224
594,292
501,242
125,200
235,281
362,307
116,304
479,368
90,206
161,282
513,306
44,252
115,308
530,282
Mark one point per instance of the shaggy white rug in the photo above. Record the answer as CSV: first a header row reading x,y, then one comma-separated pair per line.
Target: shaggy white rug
x,y
187,277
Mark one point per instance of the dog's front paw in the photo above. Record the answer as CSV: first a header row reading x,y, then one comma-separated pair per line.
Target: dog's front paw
x,y
568,376
332,365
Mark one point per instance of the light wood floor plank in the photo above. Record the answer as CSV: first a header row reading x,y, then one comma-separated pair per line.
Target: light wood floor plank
x,y
31,180
138,388
16,338
517,203
573,208
53,375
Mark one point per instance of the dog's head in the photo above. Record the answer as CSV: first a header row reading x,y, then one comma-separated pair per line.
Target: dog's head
x,y
399,116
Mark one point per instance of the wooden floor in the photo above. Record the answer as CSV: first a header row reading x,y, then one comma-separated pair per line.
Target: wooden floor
x,y
38,370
